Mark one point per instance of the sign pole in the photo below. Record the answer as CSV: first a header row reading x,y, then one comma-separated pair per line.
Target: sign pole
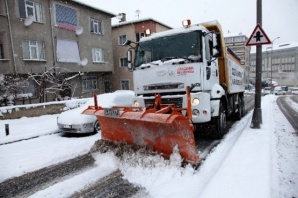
x,y
257,114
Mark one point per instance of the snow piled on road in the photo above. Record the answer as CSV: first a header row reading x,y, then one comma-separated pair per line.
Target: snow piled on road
x,y
24,128
26,156
247,163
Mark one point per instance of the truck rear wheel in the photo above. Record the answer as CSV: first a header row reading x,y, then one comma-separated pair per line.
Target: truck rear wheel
x,y
240,112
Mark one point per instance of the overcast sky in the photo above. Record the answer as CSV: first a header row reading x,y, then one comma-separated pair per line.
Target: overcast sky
x,y
236,16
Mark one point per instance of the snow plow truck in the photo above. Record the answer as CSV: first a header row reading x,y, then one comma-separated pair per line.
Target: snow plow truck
x,y
183,78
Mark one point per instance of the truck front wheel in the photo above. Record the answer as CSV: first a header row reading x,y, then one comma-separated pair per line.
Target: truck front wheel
x,y
221,122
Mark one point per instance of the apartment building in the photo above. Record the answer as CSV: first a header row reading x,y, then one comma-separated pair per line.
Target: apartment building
x,y
122,78
279,62
63,38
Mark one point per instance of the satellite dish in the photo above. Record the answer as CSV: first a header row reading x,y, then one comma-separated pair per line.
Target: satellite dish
x,y
28,21
138,13
84,62
79,30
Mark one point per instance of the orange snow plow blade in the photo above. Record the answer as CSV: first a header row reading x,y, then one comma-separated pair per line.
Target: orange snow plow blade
x,y
161,128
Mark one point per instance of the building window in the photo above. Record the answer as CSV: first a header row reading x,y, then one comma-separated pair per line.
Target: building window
x,y
2,8
33,50
68,51
125,84
139,36
229,40
123,62
239,39
3,45
34,9
97,55
95,26
66,17
122,39
1,51
89,83
107,86
30,8
27,88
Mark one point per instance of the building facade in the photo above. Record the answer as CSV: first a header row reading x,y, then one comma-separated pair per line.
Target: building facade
x,y
122,78
279,63
56,37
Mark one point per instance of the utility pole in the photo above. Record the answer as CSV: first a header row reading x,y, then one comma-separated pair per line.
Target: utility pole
x,y
258,38
257,115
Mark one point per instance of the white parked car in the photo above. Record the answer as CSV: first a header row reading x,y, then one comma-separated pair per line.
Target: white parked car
x,y
266,91
73,121
295,91
279,91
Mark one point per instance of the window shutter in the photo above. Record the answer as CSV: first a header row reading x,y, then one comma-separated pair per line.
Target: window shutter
x,y
26,50
93,55
22,9
102,55
91,25
99,27
41,50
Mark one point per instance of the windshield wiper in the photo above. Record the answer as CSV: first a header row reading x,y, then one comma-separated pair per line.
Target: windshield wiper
x,y
178,60
191,58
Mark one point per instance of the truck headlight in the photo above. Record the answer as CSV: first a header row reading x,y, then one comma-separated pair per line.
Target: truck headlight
x,y
195,101
136,103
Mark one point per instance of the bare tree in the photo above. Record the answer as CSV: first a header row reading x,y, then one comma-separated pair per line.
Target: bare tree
x,y
10,86
54,81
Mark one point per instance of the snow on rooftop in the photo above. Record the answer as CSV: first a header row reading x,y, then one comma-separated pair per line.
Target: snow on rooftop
x,y
92,6
276,47
117,24
228,35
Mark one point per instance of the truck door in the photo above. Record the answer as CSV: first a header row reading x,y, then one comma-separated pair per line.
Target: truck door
x,y
210,65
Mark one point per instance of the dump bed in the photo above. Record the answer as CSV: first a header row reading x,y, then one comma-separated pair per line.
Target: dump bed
x,y
234,75
231,72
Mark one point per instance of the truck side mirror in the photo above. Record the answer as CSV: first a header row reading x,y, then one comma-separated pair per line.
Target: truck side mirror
x,y
214,52
214,40
215,44
129,58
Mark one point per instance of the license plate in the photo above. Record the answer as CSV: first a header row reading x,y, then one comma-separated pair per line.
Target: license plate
x,y
111,112
67,126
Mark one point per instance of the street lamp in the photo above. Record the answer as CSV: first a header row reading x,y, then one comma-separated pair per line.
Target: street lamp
x,y
267,63
271,58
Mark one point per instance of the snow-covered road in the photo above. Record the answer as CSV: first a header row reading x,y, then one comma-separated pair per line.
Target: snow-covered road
x,y
247,163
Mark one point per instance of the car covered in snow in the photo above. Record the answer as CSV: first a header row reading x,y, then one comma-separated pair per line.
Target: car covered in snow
x,y
73,121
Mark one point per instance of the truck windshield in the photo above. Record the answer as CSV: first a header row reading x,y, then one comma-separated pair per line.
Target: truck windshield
x,y
187,46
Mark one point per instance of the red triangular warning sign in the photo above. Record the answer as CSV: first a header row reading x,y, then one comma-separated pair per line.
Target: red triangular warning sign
x,y
258,37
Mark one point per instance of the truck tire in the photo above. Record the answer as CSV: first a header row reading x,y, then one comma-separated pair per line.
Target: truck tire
x,y
97,127
240,112
243,106
221,122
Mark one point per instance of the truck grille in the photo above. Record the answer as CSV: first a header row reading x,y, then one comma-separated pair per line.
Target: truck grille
x,y
176,101
164,86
